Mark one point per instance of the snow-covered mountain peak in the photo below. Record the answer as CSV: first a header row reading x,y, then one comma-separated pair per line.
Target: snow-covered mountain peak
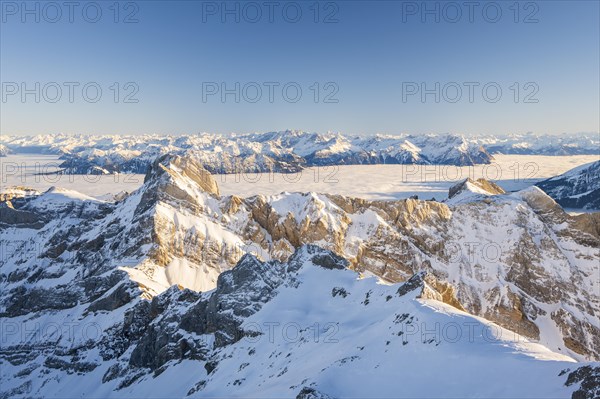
x,y
183,170
471,190
284,151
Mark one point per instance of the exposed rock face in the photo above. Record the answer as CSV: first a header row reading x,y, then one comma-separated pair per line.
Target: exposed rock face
x,y
16,193
12,217
172,326
429,287
182,167
470,190
518,260
311,393
577,188
588,380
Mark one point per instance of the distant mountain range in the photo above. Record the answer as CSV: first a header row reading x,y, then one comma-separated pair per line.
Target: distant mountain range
x,y
545,144
290,151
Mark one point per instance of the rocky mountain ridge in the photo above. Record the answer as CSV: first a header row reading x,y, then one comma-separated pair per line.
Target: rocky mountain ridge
x,y
71,257
542,144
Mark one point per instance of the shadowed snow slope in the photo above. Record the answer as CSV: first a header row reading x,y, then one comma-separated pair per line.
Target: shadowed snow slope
x,y
578,188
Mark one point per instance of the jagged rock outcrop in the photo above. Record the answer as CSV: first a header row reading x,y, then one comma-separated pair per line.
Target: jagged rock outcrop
x,y
311,393
588,380
429,287
186,167
175,178
11,217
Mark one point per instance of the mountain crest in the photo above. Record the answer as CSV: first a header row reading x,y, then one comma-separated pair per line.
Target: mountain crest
x,y
182,169
178,179
479,186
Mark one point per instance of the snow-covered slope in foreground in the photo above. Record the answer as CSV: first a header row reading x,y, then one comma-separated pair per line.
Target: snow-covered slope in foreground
x,y
296,329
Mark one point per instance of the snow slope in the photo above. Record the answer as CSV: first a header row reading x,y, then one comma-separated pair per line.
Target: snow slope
x,y
308,325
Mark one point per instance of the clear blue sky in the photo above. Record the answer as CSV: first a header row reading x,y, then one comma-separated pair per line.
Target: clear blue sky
x,y
177,48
